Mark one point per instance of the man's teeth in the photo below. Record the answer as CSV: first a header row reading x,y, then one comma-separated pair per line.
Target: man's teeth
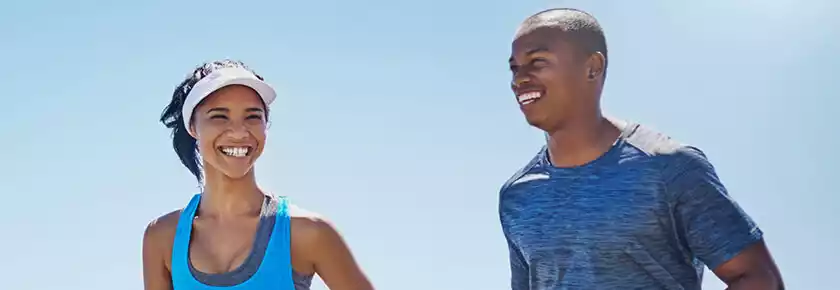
x,y
528,98
236,151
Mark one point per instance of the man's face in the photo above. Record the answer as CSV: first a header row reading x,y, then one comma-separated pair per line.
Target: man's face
x,y
547,77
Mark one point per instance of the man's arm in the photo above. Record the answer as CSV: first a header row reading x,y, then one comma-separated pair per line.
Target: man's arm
x,y
716,229
518,268
753,268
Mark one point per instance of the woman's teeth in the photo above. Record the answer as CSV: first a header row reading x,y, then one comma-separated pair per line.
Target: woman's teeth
x,y
236,151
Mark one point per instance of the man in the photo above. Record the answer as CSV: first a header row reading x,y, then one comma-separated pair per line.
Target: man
x,y
608,204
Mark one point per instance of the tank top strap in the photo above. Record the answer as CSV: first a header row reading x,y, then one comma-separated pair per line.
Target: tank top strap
x,y
181,243
278,259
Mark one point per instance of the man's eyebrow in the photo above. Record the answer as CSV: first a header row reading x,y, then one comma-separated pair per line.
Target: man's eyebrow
x,y
532,51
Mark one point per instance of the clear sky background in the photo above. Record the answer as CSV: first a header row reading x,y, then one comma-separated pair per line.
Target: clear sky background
x,y
396,121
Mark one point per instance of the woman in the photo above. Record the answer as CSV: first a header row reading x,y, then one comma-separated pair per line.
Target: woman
x,y
234,235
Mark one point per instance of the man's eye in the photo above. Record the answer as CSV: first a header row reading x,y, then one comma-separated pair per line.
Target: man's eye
x,y
539,61
220,117
255,117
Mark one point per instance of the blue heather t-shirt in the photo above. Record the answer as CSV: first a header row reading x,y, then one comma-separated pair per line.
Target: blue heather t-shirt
x,y
648,214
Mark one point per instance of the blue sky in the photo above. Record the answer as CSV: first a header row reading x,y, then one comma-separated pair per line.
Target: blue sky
x,y
396,121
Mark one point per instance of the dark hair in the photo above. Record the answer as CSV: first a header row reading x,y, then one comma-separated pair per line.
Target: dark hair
x,y
580,27
184,143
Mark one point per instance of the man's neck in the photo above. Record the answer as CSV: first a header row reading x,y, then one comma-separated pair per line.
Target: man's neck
x,y
581,141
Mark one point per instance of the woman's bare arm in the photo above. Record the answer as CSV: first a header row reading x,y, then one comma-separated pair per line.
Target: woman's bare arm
x,y
330,256
156,274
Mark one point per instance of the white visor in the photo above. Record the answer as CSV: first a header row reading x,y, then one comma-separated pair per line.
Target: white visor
x,y
221,78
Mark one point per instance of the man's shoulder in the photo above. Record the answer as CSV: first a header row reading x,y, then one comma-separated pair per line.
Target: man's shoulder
x,y
673,156
535,160
651,141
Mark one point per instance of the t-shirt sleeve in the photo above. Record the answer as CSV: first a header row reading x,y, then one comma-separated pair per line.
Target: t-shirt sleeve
x,y
518,268
709,221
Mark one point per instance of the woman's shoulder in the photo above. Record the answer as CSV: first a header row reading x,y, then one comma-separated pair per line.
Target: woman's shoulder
x,y
312,228
160,232
306,222
159,235
317,246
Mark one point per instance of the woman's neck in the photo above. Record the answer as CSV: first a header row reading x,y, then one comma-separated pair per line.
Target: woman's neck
x,y
227,197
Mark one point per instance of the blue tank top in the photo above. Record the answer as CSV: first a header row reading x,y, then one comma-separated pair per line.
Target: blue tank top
x,y
275,271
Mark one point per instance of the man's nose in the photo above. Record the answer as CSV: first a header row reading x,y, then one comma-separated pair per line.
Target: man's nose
x,y
519,79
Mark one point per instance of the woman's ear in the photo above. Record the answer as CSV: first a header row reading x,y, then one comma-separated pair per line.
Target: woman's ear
x,y
192,131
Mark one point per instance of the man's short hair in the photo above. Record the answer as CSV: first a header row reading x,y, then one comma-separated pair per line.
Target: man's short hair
x,y
579,27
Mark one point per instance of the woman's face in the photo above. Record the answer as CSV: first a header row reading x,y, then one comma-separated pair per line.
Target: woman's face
x,y
230,128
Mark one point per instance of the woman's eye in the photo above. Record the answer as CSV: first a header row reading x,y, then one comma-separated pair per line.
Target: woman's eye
x,y
218,117
254,118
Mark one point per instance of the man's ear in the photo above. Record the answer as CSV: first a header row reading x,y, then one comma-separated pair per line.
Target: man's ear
x,y
596,64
